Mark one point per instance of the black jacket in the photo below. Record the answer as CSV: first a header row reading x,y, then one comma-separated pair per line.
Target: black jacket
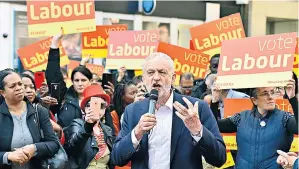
x,y
199,88
81,145
45,148
53,75
70,109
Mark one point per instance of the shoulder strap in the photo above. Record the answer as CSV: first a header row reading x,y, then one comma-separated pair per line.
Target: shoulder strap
x,y
38,122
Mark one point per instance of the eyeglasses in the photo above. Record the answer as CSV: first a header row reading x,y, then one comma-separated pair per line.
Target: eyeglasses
x,y
279,89
186,87
267,94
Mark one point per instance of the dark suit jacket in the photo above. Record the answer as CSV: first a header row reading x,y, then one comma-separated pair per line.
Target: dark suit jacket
x,y
185,152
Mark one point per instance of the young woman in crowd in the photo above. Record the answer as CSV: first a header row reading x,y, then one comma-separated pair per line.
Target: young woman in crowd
x,y
21,144
124,95
68,107
263,130
30,94
89,140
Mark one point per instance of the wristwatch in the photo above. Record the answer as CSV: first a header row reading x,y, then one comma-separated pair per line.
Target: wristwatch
x,y
199,134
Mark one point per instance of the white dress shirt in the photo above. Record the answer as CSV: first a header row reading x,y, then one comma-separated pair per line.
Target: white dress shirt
x,y
159,139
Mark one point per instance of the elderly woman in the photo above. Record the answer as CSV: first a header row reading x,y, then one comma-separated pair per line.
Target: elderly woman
x,y
22,146
263,130
89,141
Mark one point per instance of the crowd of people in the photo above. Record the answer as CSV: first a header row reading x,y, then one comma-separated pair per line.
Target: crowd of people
x,y
110,127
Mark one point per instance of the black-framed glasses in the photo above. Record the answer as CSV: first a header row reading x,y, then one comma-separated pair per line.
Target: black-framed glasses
x,y
279,89
268,94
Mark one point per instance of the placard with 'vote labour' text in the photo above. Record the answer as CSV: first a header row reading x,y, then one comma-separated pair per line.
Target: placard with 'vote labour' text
x,y
130,48
207,37
186,60
95,43
34,57
264,61
46,18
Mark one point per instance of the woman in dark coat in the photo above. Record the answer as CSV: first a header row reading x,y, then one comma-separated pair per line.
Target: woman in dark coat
x,y
21,145
30,94
89,141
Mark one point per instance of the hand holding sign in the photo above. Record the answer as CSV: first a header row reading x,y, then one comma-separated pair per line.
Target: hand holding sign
x,y
215,93
85,60
290,88
56,39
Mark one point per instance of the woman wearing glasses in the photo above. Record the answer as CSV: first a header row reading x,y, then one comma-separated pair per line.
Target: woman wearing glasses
x,y
263,130
89,140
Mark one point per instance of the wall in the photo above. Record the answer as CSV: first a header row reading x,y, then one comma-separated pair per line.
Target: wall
x,y
259,11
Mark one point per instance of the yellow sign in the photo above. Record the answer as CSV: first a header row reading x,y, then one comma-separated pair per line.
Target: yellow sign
x,y
229,161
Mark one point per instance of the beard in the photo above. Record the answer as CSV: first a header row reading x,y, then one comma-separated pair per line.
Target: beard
x,y
164,91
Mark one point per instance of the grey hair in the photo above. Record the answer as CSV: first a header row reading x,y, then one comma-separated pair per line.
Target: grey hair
x,y
159,55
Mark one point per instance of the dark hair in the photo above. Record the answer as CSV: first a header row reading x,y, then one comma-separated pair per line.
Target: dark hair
x,y
3,74
82,69
119,92
215,56
137,79
164,24
296,82
187,76
29,72
206,93
63,71
29,77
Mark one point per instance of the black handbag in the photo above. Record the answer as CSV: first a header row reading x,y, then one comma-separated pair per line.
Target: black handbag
x,y
60,159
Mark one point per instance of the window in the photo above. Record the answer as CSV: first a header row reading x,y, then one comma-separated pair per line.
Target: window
x,y
278,25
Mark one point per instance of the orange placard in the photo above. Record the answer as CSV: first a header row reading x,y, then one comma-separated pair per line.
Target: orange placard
x,y
95,43
97,69
264,61
191,45
207,37
45,18
233,106
35,56
186,60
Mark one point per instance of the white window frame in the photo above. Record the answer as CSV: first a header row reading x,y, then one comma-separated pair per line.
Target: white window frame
x,y
174,27
7,45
